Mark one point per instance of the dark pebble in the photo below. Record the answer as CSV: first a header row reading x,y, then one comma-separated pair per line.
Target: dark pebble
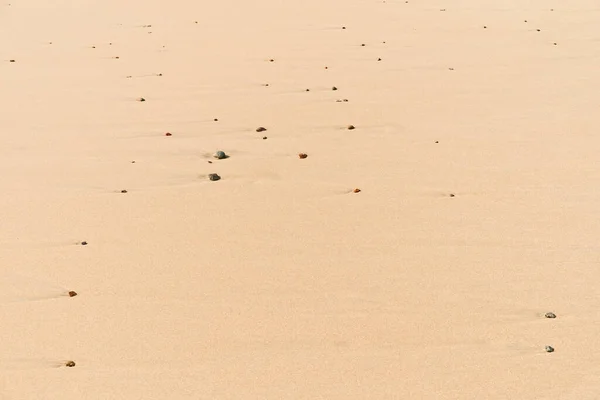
x,y
264,138
11,60
84,243
302,155
350,127
261,129
550,315
141,99
214,177
70,364
549,349
357,190
220,155
123,191
334,88
452,195
72,293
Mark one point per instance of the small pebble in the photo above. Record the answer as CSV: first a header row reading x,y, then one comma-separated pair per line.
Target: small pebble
x,y
220,155
451,69
484,27
214,177
452,195
436,141
261,129
168,134
379,59
357,190
539,30
308,90
550,315
302,155
271,60
84,243
334,88
351,127
70,364
264,138
141,99
363,45
549,349
11,60
343,27
72,293
216,119
123,191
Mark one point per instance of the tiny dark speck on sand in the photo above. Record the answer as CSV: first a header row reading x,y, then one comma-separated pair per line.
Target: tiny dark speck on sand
x,y
84,243
123,191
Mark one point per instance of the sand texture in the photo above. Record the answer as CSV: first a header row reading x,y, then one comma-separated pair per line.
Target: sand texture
x,y
413,257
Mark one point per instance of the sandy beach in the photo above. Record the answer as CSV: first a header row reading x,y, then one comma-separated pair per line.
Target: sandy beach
x,y
412,257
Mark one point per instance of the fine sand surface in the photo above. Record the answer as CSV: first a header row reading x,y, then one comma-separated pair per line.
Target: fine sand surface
x,y
476,151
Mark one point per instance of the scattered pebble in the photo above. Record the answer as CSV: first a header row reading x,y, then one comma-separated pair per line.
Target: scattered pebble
x,y
302,155
351,127
214,177
72,293
451,69
133,162
123,191
141,99
436,141
452,195
549,349
70,364
308,90
220,155
261,129
334,88
550,315
539,30
343,27
357,190
264,138
363,45
271,60
216,119
11,60
484,27
379,59
84,243
168,134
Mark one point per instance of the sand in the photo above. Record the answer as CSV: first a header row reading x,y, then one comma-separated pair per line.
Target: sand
x,y
475,152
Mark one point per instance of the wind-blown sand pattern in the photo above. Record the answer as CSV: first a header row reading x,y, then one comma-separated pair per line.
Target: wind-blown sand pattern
x,y
413,256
